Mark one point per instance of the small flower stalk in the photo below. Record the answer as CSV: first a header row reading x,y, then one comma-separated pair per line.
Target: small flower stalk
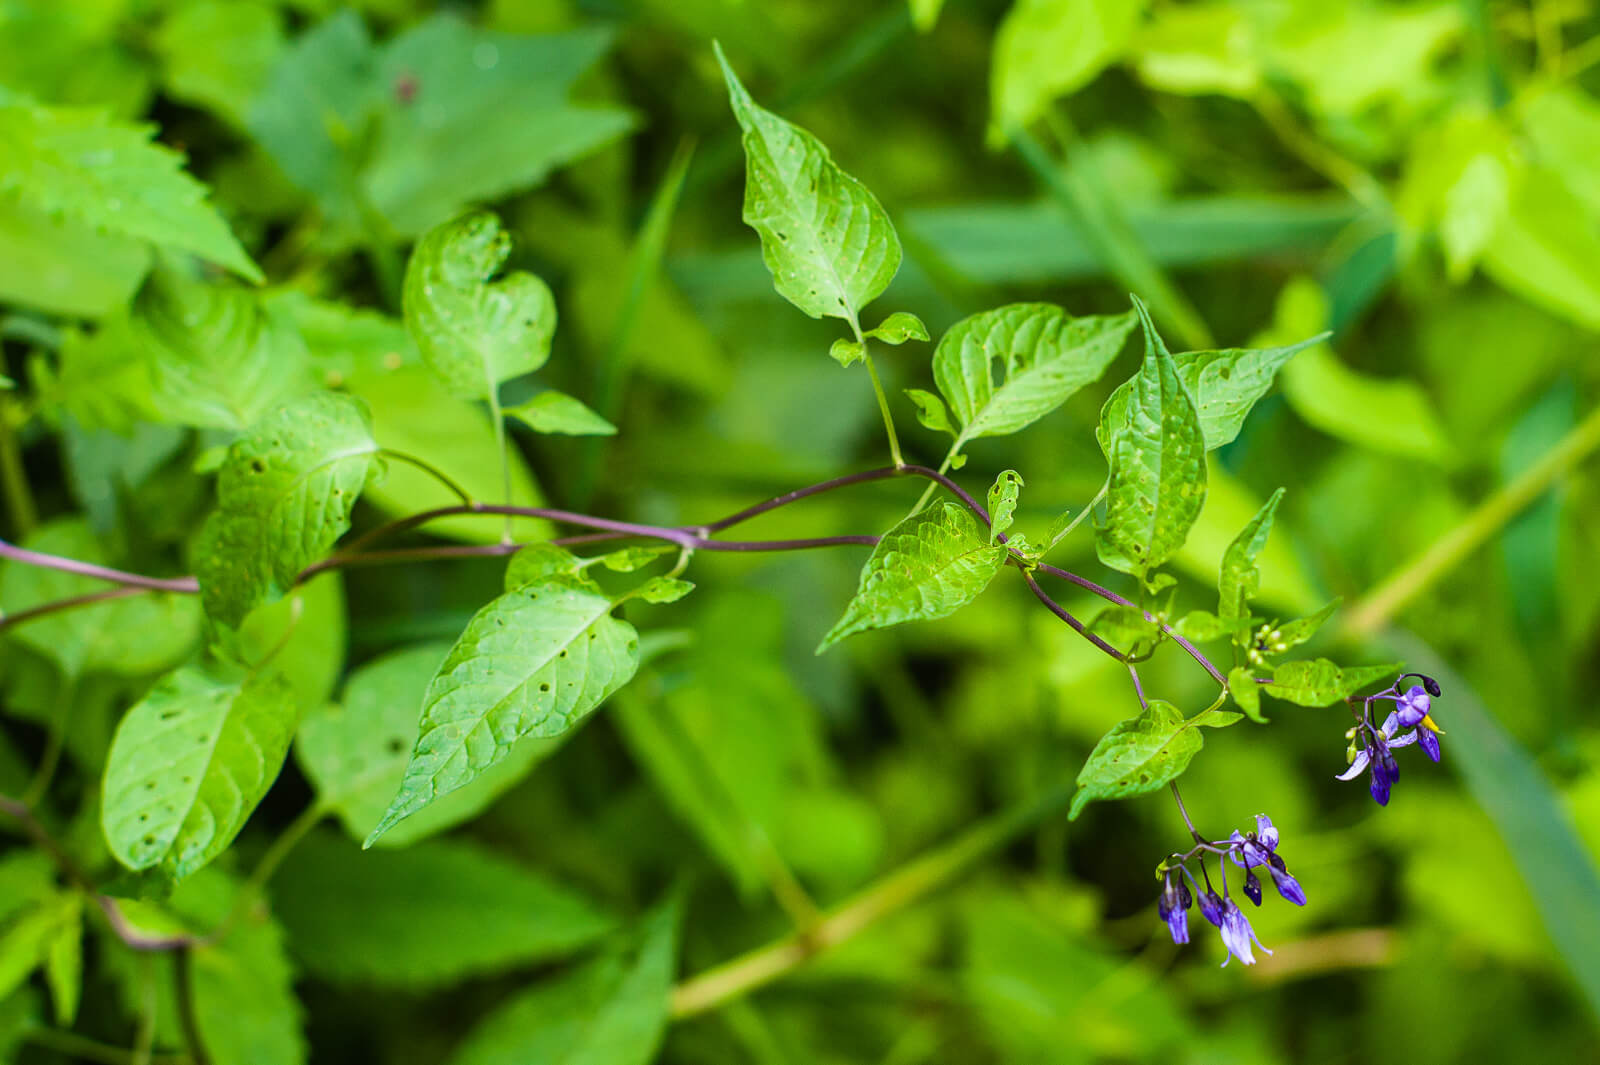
x,y
1372,746
1251,851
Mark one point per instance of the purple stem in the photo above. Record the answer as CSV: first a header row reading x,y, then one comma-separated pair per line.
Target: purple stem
x,y
1077,626
104,573
1107,594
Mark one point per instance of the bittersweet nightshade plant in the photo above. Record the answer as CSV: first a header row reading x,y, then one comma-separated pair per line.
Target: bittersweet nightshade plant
x,y
304,434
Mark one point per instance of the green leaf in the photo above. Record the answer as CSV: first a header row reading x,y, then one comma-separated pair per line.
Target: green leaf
x,y
355,754
132,637
1003,502
931,412
26,942
283,498
631,558
925,14
609,1011
1153,441
1143,753
304,633
1540,253
1239,578
538,560
1202,625
1294,633
556,412
473,332
188,765
426,916
533,662
1246,692
898,328
844,352
64,267
1320,682
218,358
1048,48
1039,355
662,590
829,245
244,1003
84,166
219,55
929,566
63,962
1225,384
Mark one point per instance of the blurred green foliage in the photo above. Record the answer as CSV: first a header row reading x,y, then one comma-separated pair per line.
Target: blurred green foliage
x,y
1420,177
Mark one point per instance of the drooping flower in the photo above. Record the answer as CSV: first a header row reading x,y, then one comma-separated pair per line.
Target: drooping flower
x,y
1237,934
1258,849
1287,885
1173,906
1212,907
1252,887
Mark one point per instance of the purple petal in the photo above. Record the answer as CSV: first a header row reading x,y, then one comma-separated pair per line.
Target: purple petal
x,y
1405,739
1178,925
1289,887
1413,706
1380,787
1211,908
1356,767
1429,742
1391,725
1266,832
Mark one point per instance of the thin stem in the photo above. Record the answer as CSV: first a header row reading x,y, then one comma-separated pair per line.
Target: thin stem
x,y
268,864
1138,688
883,408
786,498
1061,612
55,743
71,602
188,1018
435,472
1177,797
104,573
144,1034
1085,512
503,446
1107,594
894,892
13,478
1373,611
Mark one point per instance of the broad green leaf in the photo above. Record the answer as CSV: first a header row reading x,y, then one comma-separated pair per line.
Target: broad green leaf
x,y
1048,48
556,412
1246,693
1563,122
537,561
1341,402
609,1011
135,636
355,753
1239,578
81,165
1200,48
898,328
929,566
1459,179
1226,384
829,245
1347,58
283,498
219,54
65,267
410,414
532,663
1003,369
1143,753
426,916
218,358
1545,251
847,352
931,412
188,765
305,635
1153,441
475,332
1320,682
1003,502
1202,625
25,944
63,962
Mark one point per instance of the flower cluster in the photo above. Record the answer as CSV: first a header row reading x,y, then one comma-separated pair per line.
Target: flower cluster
x,y
1372,746
1250,851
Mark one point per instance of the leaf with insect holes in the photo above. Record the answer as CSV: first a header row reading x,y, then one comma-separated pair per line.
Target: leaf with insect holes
x,y
1319,682
1003,502
283,498
532,663
898,328
475,332
929,566
556,412
663,590
1143,753
84,166
1225,384
827,241
1150,434
188,765
1238,578
1004,369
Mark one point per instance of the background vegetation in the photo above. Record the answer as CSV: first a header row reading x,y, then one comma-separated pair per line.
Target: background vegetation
x,y
1421,178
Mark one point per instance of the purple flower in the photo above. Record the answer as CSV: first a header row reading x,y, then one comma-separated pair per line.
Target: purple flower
x,y
1413,706
1212,907
1173,906
1252,887
1237,934
1287,885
